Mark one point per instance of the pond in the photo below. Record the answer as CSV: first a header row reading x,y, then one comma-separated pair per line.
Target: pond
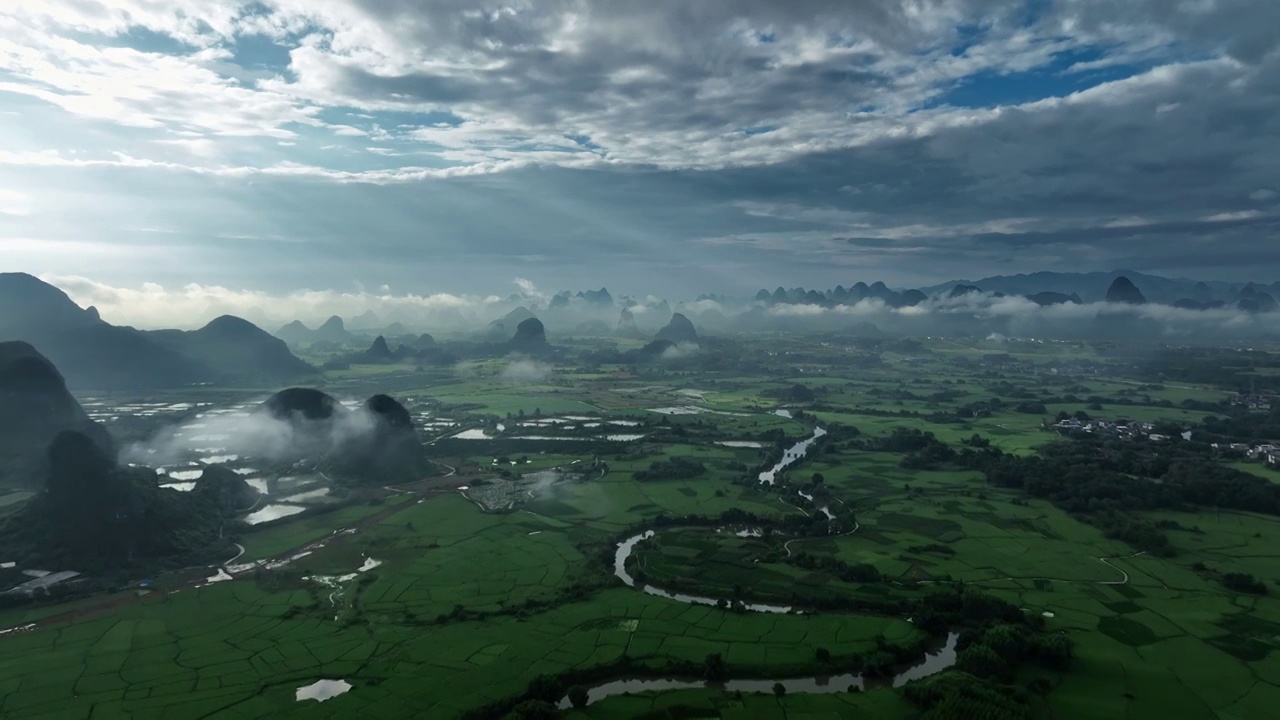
x,y
932,664
473,434
322,690
272,512
307,496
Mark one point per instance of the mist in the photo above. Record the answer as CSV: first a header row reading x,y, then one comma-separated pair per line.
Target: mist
x,y
524,371
984,314
468,315
681,352
257,435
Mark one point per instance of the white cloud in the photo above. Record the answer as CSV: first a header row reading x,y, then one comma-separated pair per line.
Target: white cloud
x,y
530,291
347,130
1230,216
142,89
861,111
152,305
1023,317
200,147
13,202
525,371
280,169
660,84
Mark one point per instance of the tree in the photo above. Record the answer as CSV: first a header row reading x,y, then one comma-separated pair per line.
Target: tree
x,y
800,393
818,479
1244,582
548,688
714,667
1055,651
981,661
823,655
578,696
779,689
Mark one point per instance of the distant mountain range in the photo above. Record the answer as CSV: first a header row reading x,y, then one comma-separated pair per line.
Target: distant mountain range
x,y
94,354
1093,286
1050,288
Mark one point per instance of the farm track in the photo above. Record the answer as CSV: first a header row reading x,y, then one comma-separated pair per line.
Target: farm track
x,y
1124,579
787,545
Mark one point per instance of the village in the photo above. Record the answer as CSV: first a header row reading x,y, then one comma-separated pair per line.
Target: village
x,y
1121,429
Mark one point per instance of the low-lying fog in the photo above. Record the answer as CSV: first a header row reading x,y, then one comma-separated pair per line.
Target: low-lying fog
x,y
239,432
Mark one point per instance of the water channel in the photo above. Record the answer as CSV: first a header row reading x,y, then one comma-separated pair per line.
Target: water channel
x,y
932,664
791,456
626,547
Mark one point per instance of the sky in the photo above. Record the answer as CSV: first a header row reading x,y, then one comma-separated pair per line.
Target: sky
x,y
180,149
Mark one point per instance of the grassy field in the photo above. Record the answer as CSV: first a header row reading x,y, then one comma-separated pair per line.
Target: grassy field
x,y
239,648
456,607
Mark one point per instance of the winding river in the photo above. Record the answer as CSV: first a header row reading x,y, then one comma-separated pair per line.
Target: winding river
x,y
932,664
791,456
626,547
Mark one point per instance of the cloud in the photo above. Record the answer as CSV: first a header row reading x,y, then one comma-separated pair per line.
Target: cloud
x,y
530,291
764,141
683,351
153,306
281,169
13,202
525,372
1018,316
255,435
722,84
1237,215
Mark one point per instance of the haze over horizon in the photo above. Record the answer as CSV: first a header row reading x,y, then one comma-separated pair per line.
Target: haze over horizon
x,y
173,154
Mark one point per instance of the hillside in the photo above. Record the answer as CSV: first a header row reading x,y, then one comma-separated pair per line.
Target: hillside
x,y
90,353
97,516
375,442
236,350
679,330
35,407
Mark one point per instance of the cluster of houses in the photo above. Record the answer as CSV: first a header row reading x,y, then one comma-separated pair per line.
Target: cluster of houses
x,y
1106,427
1126,429
1077,368
1268,453
1253,401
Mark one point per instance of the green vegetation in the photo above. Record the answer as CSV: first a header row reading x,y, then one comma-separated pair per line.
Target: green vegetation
x,y
1084,574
